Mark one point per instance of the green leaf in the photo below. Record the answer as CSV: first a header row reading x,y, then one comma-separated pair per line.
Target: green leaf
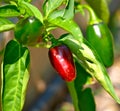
x,y
101,9
27,0
56,14
86,100
31,10
82,99
5,24
50,5
84,78
69,10
90,61
9,11
17,0
8,1
15,76
68,25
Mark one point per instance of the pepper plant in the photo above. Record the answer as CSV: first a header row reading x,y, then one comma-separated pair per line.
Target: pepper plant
x,y
77,59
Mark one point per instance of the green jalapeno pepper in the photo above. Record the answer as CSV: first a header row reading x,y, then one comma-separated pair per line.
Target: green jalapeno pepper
x,y
100,37
29,31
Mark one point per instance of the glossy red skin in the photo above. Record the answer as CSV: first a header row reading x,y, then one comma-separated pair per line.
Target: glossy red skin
x,y
62,60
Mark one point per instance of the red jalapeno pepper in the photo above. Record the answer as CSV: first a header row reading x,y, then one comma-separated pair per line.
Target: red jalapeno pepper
x,y
62,60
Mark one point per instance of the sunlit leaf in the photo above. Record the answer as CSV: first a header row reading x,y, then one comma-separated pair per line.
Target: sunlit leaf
x,y
69,10
56,13
50,5
5,24
9,11
31,10
68,25
15,76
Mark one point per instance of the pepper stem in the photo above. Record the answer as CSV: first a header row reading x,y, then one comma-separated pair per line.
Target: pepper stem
x,y
93,17
53,40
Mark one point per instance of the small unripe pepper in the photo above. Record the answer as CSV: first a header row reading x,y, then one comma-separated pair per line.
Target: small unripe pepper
x,y
29,31
62,60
